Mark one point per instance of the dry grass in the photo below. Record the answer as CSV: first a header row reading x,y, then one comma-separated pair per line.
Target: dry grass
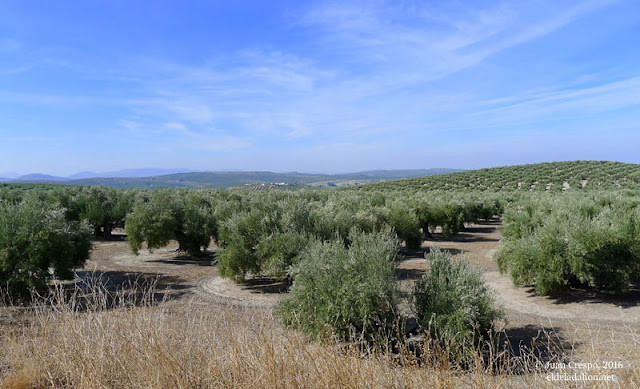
x,y
94,339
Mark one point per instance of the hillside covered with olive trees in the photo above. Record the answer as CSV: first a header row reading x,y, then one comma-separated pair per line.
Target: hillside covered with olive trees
x,y
550,176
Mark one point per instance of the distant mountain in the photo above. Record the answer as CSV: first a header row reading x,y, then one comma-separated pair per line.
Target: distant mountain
x,y
145,172
39,177
397,174
129,173
81,175
226,179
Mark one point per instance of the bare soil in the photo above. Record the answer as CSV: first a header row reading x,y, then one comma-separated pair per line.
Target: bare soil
x,y
579,325
480,241
183,276
582,318
197,278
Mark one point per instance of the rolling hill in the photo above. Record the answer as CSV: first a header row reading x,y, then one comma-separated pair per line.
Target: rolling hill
x,y
145,172
226,179
548,176
37,177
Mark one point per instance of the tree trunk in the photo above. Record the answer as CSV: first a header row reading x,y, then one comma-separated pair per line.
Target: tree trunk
x,y
425,231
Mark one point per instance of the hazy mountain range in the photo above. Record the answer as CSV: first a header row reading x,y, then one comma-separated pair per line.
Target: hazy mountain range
x,y
145,172
184,178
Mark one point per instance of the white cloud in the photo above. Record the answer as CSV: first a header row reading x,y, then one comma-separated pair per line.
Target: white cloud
x,y
192,111
583,102
176,126
369,74
405,45
130,125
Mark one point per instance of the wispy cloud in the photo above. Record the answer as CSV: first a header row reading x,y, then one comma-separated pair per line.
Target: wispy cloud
x,y
177,127
584,103
380,72
367,73
378,51
402,45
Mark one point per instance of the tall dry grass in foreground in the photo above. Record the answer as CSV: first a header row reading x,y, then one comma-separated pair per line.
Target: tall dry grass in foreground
x,y
96,339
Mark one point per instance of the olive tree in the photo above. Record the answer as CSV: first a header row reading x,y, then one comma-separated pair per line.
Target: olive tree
x,y
163,215
346,293
454,305
37,243
104,208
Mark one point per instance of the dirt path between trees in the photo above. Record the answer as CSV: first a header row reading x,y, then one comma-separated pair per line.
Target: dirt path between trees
x,y
480,241
182,276
186,277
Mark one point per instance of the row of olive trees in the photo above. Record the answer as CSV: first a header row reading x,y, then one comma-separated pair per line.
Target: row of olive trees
x,y
350,294
258,232
103,208
264,233
159,216
560,242
534,177
45,231
269,236
451,216
343,285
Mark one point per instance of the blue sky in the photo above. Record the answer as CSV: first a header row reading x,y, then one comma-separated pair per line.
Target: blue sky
x,y
316,86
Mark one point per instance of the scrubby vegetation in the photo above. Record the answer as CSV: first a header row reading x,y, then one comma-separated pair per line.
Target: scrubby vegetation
x,y
455,307
540,177
162,215
265,233
37,243
561,242
565,225
347,293
126,339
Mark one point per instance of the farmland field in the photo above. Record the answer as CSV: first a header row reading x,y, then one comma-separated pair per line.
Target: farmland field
x,y
203,309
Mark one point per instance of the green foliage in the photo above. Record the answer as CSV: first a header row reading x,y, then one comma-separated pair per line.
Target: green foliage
x,y
454,305
239,236
266,240
580,175
565,242
281,250
196,224
405,224
346,293
35,238
258,233
450,216
104,208
162,215
153,220
452,212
